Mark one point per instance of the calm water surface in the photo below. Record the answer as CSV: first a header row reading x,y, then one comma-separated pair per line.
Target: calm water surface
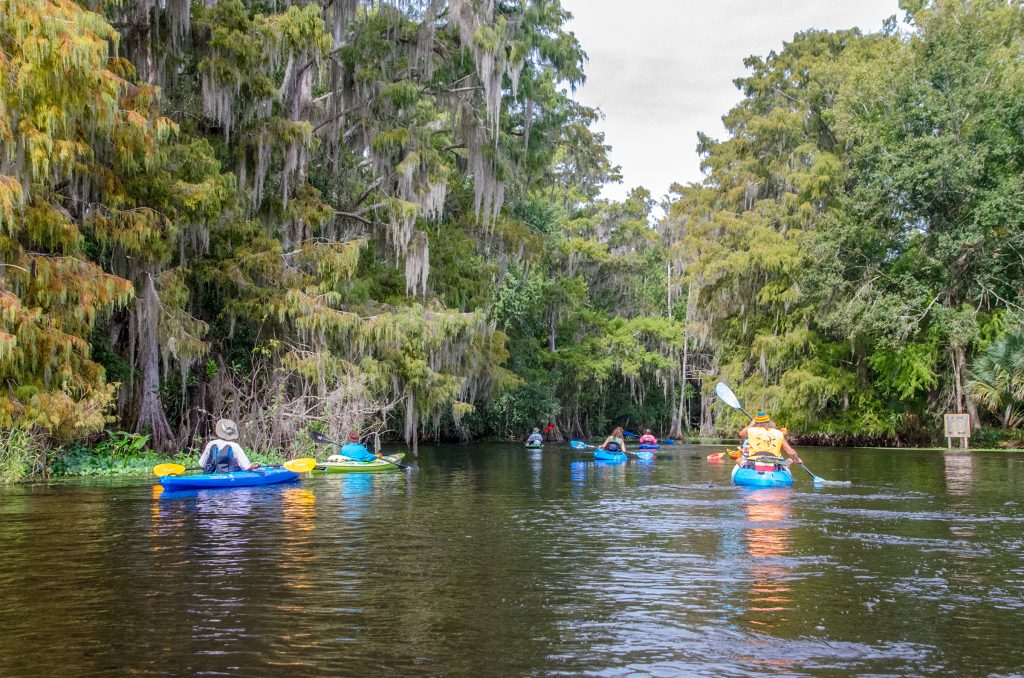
x,y
496,561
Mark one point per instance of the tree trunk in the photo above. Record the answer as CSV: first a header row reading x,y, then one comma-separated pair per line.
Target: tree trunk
x,y
149,411
682,414
963,400
555,434
673,424
707,422
552,330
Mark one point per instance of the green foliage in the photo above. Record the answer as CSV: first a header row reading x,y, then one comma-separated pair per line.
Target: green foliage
x,y
998,379
905,372
122,445
855,240
19,452
515,413
405,200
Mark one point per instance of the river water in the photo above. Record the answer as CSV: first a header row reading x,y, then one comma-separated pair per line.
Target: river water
x,y
493,561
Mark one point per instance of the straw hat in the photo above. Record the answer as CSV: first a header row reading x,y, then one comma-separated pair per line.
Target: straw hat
x,y
226,429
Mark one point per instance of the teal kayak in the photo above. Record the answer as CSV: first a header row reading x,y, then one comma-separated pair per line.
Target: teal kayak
x,y
748,477
201,481
535,446
605,455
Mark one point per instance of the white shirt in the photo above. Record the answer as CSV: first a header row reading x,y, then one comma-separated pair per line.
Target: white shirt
x,y
243,461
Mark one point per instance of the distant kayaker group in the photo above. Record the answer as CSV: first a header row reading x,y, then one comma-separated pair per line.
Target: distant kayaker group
x,y
223,461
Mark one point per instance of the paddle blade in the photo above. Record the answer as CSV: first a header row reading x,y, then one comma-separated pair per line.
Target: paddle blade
x,y
645,454
321,438
818,480
726,395
578,445
168,470
832,483
300,465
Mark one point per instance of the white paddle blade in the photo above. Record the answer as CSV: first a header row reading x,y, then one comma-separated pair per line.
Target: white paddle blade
x,y
726,395
832,483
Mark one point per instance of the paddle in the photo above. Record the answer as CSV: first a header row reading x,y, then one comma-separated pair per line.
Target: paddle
x,y
172,469
821,481
729,398
579,445
294,465
324,440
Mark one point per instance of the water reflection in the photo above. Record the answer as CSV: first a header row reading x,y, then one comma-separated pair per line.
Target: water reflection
x,y
298,506
768,541
959,472
357,492
578,478
536,463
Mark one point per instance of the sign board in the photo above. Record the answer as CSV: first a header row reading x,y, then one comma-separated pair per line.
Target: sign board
x,y
957,426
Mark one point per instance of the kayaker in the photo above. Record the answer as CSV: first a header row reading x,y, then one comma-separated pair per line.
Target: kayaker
x,y
616,442
535,438
352,449
223,454
648,438
767,442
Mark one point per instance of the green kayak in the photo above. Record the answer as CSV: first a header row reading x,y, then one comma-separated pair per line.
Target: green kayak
x,y
352,466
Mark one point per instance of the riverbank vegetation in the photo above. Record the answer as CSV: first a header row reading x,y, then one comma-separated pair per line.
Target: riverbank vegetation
x,y
386,216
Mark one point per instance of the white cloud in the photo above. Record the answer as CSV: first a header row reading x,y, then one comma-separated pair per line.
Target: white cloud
x,y
662,70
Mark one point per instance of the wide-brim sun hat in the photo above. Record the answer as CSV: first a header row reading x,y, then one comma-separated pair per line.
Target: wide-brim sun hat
x,y
226,429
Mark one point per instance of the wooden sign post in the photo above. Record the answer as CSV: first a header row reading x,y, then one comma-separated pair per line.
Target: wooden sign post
x,y
957,426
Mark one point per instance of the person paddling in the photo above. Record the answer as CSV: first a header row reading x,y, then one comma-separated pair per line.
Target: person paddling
x,y
223,454
616,442
353,450
535,438
767,442
648,438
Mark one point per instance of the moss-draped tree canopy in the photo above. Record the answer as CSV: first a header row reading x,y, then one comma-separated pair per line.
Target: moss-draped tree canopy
x,y
387,216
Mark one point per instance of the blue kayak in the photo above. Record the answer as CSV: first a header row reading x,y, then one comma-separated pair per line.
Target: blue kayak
x,y
650,446
201,481
605,455
748,477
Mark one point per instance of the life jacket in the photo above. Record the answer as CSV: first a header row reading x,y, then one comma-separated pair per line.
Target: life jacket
x,y
614,445
357,452
764,442
221,460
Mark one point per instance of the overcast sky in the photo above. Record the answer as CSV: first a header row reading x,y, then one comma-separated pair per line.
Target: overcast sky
x,y
662,70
